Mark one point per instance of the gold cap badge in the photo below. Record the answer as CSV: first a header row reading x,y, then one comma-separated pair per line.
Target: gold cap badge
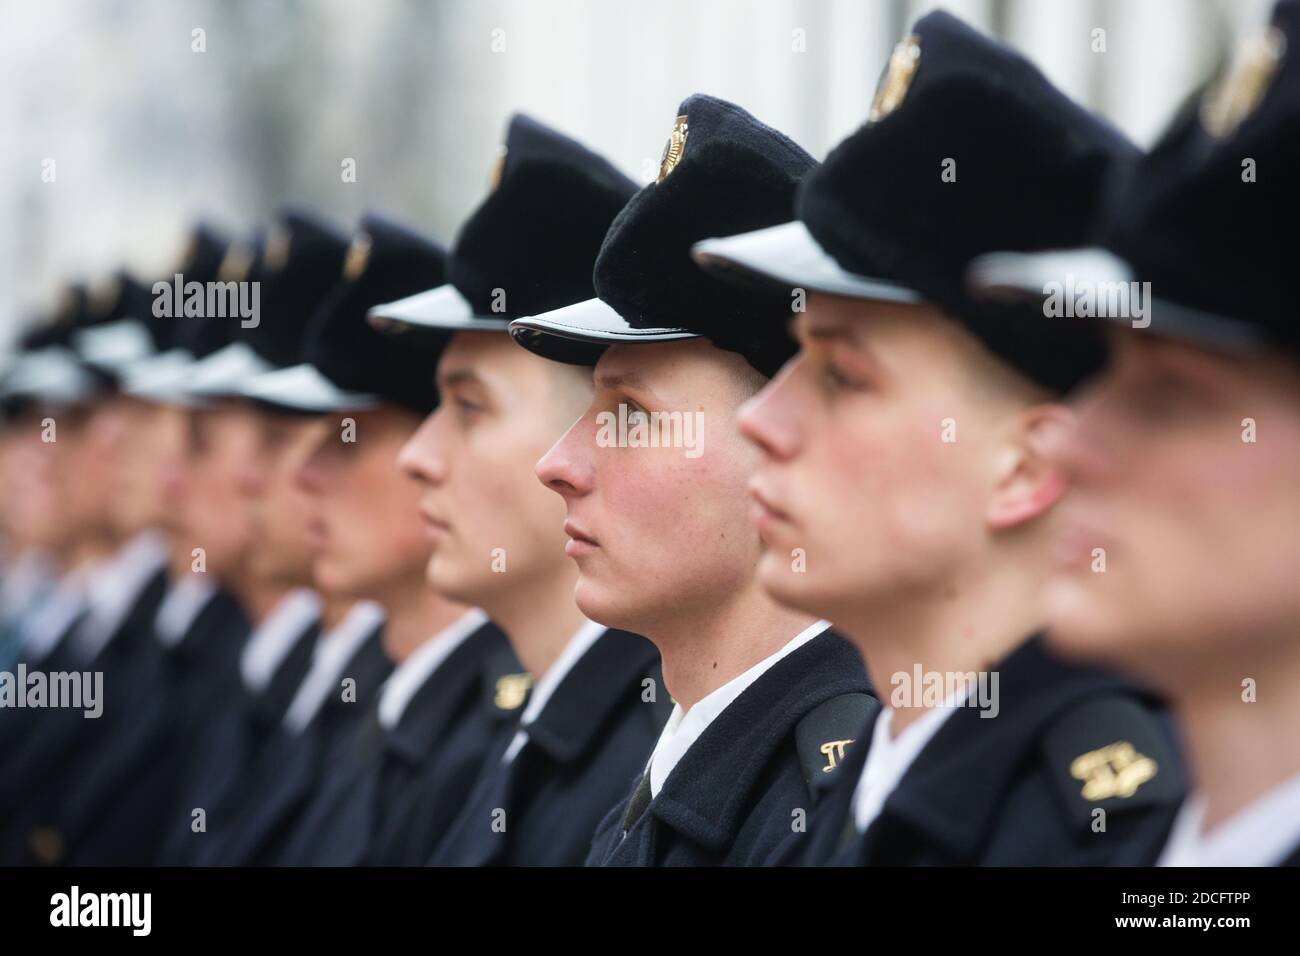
x,y
1116,770
67,303
277,247
1243,87
512,690
358,257
897,79
235,263
104,295
673,149
498,167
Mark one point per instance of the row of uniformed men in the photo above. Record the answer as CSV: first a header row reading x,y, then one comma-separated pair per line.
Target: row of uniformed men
x,y
234,525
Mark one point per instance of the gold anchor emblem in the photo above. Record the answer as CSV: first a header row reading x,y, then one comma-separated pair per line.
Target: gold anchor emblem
x,y
1248,79
104,295
834,752
512,690
235,263
673,150
358,256
498,167
276,252
899,73
1116,770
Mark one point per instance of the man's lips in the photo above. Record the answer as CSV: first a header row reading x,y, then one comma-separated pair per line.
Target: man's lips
x,y
433,525
318,534
763,513
579,542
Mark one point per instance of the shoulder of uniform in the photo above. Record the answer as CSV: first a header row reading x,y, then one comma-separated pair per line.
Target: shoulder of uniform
x,y
823,734
1112,753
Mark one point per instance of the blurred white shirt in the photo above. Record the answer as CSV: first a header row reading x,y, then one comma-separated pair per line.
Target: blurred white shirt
x,y
272,640
1264,833
414,672
333,651
890,758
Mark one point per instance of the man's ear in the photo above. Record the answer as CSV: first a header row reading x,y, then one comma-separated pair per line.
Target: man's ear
x,y
1028,481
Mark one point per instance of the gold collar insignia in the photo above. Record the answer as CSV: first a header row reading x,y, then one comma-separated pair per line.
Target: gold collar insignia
x,y
674,148
512,690
1116,770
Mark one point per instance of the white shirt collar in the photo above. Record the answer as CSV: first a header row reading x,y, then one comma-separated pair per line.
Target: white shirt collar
x,y
414,672
44,629
1264,833
114,587
889,757
184,601
332,653
272,640
543,689
25,580
685,727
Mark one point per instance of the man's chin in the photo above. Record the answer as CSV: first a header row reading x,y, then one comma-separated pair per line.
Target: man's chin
x,y
448,579
786,586
598,604
1083,625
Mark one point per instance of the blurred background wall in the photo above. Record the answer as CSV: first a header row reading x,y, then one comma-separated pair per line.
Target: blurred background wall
x,y
146,133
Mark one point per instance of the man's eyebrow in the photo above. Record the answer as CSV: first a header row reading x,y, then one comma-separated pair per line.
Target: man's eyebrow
x,y
823,332
630,378
459,376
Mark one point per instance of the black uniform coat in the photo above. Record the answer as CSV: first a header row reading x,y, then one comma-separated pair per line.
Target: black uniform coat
x,y
293,767
116,807
1002,791
45,776
738,792
38,738
223,762
408,782
18,727
592,737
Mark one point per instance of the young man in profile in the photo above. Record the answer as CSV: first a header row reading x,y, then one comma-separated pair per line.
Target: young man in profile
x,y
765,698
596,702
904,452
430,720
1185,461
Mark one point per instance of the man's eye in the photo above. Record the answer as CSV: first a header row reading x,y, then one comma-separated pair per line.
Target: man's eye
x,y
466,408
834,379
635,414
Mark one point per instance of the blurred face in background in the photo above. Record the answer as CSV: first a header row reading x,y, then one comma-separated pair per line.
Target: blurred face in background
x,y
152,449
10,442
223,444
658,532
283,511
95,459
501,407
363,529
38,479
1198,526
